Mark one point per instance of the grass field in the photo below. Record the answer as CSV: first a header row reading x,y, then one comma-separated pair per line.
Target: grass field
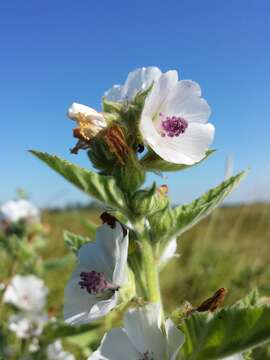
x,y
228,249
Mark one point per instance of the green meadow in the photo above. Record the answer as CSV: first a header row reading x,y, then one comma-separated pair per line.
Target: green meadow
x,y
228,249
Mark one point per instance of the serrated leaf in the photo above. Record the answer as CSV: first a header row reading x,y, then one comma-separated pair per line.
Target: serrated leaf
x,y
101,187
229,331
152,161
74,242
173,222
251,299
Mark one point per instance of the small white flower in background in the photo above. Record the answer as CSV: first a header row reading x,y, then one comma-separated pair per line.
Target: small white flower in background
x,y
234,357
142,337
15,210
27,293
89,121
174,120
168,253
34,345
137,80
27,325
55,352
102,269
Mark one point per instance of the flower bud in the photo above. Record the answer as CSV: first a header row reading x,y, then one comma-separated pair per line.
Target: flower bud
x,y
150,201
131,175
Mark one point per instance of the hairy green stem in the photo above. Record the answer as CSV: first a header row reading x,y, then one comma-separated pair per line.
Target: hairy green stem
x,y
149,263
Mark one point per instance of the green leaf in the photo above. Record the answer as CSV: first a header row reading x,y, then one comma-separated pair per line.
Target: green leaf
x,y
59,329
74,242
101,187
229,331
173,222
251,299
57,263
152,161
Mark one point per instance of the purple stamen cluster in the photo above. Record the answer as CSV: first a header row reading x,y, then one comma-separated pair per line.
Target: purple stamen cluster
x,y
173,126
95,282
147,356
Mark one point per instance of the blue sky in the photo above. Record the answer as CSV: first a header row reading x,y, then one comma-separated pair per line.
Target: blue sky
x,y
55,52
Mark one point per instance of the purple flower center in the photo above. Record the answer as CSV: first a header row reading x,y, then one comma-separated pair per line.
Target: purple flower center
x,y
95,282
147,356
173,126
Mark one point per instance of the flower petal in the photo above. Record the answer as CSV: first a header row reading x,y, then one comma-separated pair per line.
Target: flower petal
x,y
103,254
137,80
184,100
115,345
157,96
26,292
78,302
81,307
168,253
175,339
234,357
143,329
115,93
188,148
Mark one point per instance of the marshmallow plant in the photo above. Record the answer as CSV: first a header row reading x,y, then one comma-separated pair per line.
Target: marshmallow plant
x,y
153,122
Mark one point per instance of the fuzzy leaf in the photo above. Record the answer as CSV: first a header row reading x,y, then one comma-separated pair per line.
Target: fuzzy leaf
x,y
152,161
103,188
229,331
173,222
74,242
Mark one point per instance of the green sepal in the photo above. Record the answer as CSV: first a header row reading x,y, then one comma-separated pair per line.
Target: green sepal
x,y
103,188
148,201
111,107
211,336
74,241
153,162
100,155
172,222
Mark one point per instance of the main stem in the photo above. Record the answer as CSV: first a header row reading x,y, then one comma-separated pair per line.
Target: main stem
x,y
149,264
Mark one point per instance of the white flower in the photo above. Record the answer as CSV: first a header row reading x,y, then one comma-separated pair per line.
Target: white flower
x,y
142,338
55,352
234,357
27,293
168,253
137,80
15,210
89,121
173,120
27,325
93,289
